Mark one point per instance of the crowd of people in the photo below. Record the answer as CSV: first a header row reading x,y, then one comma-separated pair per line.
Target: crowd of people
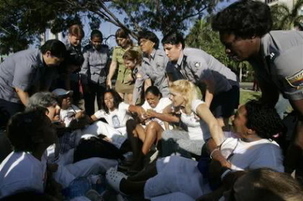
x,y
169,128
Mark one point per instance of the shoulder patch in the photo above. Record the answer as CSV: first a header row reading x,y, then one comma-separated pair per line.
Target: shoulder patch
x,y
296,80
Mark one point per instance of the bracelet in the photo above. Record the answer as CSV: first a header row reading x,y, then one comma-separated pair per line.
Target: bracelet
x,y
213,151
225,173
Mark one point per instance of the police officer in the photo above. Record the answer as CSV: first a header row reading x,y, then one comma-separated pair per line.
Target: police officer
x,y
153,66
276,57
222,87
93,71
26,72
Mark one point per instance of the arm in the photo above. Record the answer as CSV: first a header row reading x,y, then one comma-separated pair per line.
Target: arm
x,y
22,95
165,116
216,155
147,83
215,130
85,68
111,72
137,88
209,93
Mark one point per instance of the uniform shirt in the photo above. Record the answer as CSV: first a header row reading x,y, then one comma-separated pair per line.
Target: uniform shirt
x,y
21,171
153,68
94,65
282,62
197,66
123,72
24,70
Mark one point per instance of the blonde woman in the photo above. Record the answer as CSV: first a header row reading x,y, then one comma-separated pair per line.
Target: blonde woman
x,y
125,83
195,114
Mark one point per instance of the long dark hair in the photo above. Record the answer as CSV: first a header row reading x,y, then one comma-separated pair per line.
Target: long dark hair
x,y
117,99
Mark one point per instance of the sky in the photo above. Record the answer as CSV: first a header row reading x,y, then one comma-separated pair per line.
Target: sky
x,y
108,28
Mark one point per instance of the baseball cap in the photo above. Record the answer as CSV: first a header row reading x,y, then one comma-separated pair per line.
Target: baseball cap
x,y
62,92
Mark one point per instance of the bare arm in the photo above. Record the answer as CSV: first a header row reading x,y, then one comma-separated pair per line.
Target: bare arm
x,y
209,93
165,116
147,83
111,72
215,130
23,96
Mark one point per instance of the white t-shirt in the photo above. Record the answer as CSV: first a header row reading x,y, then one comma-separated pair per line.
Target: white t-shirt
x,y
182,175
163,103
197,128
251,155
69,114
22,171
122,113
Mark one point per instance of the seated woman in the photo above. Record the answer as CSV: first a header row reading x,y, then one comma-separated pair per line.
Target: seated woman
x,y
195,114
150,129
115,111
254,123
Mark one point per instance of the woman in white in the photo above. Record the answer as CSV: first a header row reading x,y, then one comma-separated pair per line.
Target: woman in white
x,y
116,113
255,125
197,117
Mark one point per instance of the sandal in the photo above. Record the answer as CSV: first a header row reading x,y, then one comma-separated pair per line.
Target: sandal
x,y
113,177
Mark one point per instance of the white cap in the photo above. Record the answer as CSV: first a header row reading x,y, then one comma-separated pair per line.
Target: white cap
x,y
62,92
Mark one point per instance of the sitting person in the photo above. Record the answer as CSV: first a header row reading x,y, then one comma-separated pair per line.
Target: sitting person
x,y
195,114
25,168
149,131
255,124
65,171
116,113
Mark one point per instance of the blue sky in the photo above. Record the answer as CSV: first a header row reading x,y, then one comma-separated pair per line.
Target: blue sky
x,y
108,28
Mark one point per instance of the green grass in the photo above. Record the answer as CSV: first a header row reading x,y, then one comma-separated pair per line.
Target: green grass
x,y
246,95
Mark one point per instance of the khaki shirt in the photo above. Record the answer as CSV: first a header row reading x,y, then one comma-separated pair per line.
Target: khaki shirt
x,y
123,72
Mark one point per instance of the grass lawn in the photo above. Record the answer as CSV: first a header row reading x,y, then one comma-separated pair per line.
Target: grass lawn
x,y
246,95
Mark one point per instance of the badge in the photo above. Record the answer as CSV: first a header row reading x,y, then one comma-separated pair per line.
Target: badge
x,y
296,80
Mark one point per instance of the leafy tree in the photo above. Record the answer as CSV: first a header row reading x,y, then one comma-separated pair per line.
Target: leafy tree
x,y
286,18
201,36
22,21
163,15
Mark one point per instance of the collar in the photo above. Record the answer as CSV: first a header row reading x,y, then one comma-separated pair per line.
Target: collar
x,y
181,59
40,60
153,53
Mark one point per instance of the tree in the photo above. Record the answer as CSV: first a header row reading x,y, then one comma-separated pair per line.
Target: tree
x,y
22,21
163,15
285,18
203,37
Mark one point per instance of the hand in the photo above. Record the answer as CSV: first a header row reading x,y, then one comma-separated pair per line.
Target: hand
x,y
150,113
109,83
80,114
128,79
